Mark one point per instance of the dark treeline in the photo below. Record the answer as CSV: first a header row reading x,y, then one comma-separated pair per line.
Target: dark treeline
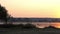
x,y
35,19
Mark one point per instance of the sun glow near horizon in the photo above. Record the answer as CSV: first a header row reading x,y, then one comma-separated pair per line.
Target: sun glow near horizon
x,y
32,8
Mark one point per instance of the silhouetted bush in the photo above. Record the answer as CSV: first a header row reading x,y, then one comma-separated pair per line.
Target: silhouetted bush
x,y
29,26
50,27
20,25
7,26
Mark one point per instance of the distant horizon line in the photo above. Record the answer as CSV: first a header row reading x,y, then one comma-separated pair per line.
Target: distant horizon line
x,y
32,17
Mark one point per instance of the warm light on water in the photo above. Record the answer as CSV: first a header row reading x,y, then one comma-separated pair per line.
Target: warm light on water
x,y
39,24
43,24
57,25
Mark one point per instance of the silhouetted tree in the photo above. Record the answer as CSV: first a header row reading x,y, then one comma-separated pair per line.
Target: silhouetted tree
x,y
3,14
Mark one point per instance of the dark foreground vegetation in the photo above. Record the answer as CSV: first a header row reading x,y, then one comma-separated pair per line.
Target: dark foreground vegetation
x,y
27,29
26,26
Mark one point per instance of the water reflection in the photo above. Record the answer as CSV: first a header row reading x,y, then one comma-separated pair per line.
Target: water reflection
x,y
42,24
39,24
47,24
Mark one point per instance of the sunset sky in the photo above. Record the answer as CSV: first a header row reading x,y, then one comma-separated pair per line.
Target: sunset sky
x,y
32,8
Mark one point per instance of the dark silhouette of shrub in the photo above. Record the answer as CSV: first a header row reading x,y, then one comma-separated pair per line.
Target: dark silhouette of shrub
x,y
20,25
29,26
6,26
50,27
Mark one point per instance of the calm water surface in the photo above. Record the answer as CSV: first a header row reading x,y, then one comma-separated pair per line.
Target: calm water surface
x,y
38,24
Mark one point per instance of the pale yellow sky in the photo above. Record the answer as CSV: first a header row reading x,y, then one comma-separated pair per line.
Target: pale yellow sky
x,y
32,8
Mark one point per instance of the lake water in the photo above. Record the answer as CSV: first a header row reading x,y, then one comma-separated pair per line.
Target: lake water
x,y
32,31
38,24
41,24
